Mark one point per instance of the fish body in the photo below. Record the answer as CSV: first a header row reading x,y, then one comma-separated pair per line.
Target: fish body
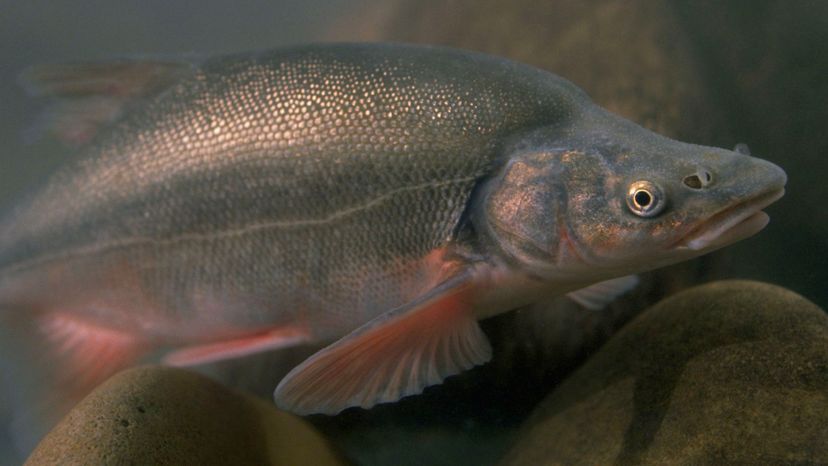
x,y
252,180
379,197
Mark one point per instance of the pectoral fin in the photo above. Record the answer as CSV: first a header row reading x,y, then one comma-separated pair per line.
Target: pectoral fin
x,y
395,355
598,295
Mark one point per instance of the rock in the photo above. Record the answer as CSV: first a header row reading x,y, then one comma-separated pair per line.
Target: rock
x,y
158,415
733,372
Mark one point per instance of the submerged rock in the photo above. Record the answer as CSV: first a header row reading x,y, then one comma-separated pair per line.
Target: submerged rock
x,y
732,372
158,415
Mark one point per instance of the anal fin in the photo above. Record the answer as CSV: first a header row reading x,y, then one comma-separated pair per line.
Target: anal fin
x,y
395,355
53,359
281,337
87,353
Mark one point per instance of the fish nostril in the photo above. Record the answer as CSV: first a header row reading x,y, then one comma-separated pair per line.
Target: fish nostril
x,y
698,180
706,177
693,181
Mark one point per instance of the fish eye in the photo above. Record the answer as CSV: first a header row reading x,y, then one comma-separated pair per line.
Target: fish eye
x,y
645,199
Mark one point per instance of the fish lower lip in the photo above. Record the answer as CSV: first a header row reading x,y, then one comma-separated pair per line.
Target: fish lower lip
x,y
733,224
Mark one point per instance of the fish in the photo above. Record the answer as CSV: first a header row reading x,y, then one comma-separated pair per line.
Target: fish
x,y
377,200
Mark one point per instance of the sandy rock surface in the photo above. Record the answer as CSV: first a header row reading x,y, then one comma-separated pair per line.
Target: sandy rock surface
x,y
158,415
733,372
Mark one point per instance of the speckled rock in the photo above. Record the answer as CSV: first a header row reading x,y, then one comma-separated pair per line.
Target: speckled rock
x,y
158,415
732,372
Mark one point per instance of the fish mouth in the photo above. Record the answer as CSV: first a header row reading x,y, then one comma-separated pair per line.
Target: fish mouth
x,y
733,224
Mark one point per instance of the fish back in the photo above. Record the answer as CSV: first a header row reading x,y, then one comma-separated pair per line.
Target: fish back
x,y
326,169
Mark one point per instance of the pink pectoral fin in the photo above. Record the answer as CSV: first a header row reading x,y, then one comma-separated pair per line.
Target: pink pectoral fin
x,y
281,337
395,355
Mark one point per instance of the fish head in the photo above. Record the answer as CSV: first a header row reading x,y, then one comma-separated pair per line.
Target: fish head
x,y
598,204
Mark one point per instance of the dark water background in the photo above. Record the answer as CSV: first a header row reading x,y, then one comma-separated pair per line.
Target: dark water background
x,y
745,71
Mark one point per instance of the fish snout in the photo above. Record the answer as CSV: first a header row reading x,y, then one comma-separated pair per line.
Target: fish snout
x,y
738,192
744,173
776,174
736,175
759,175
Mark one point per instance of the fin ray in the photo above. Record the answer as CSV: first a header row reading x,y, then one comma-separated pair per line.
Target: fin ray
x,y
91,353
278,338
60,358
598,295
395,355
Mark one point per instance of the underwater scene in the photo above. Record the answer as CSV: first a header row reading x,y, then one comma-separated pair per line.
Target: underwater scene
x,y
367,232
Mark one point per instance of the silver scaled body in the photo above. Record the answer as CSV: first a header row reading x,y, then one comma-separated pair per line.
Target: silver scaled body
x,y
305,187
